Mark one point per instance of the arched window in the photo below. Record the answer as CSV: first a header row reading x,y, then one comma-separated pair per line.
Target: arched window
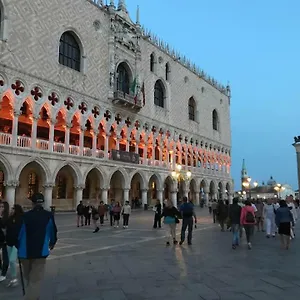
x,y
152,62
69,51
215,120
167,71
123,83
33,184
2,188
61,187
192,109
159,94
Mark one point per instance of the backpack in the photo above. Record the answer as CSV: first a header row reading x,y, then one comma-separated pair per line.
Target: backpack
x,y
250,217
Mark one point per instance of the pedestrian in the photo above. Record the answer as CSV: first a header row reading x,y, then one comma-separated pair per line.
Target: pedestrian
x,y
4,214
101,211
210,207
284,218
111,213
157,214
13,226
222,213
80,213
214,206
292,207
87,214
95,217
248,221
269,213
38,235
235,219
126,212
171,219
259,214
188,217
117,214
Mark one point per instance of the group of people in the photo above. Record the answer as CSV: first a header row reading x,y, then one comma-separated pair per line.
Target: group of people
x,y
27,239
100,212
272,216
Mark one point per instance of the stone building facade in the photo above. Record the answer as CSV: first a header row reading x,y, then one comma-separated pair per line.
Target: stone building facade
x,y
94,107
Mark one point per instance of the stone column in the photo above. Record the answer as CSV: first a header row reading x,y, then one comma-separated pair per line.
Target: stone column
x,y
144,197
34,131
104,195
106,145
153,154
15,129
79,190
10,193
145,154
206,195
48,188
174,198
230,198
96,132
51,134
81,140
118,142
197,200
127,145
159,194
67,137
126,195
161,152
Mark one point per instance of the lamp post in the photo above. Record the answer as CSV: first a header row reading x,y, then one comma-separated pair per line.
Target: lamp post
x,y
247,185
279,188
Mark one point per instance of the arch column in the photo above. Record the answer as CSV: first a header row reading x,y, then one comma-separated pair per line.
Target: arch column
x,y
51,134
10,192
206,195
197,196
15,129
34,131
106,144
144,197
79,191
81,140
145,153
67,137
174,197
104,195
126,194
48,189
95,135
118,142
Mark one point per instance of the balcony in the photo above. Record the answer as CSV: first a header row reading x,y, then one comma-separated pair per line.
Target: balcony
x,y
125,99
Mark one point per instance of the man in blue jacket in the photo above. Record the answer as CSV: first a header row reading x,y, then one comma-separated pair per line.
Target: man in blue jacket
x,y
38,235
188,216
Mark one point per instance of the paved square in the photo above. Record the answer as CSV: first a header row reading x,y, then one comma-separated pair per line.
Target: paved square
x,y
135,264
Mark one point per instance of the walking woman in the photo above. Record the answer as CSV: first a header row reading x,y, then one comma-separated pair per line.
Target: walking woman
x,y
4,213
13,226
171,218
283,220
117,214
248,221
95,217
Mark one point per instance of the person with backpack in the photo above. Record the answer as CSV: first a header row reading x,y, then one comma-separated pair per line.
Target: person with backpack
x,y
37,237
248,221
188,216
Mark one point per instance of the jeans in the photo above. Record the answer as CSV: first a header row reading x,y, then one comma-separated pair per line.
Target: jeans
x,y
157,221
101,220
187,223
249,229
12,257
125,219
5,260
214,215
87,219
235,234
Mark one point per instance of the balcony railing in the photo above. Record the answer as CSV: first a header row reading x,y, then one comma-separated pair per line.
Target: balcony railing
x,y
124,98
44,145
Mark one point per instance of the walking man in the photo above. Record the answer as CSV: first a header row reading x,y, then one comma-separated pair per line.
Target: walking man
x,y
157,216
188,216
214,207
38,235
80,213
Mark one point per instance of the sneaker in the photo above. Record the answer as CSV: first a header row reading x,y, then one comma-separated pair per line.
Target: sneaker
x,y
96,230
124,227
167,243
2,278
12,283
233,247
249,246
180,243
175,242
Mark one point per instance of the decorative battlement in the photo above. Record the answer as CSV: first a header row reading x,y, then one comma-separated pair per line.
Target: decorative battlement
x,y
165,47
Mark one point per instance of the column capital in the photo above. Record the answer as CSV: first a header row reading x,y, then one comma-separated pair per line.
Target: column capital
x,y
79,187
69,125
104,189
96,132
17,113
35,117
53,121
126,189
82,128
49,185
144,190
11,183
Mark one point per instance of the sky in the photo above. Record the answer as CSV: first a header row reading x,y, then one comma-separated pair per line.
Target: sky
x,y
255,45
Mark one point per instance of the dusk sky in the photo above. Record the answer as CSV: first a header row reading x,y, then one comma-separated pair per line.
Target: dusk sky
x,y
255,45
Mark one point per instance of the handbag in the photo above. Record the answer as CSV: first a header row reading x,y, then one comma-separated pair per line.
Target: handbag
x,y
177,220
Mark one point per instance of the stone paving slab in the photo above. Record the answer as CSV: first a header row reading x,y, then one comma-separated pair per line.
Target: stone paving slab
x,y
135,264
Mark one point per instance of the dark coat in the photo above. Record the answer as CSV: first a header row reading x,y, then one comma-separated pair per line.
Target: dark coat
x,y
235,213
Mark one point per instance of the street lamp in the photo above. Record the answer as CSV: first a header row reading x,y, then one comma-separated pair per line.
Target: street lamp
x,y
279,188
180,175
247,185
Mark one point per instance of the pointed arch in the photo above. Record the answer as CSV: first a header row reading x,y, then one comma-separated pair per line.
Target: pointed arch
x,y
100,173
140,176
76,173
215,120
6,168
159,94
124,77
156,177
124,176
